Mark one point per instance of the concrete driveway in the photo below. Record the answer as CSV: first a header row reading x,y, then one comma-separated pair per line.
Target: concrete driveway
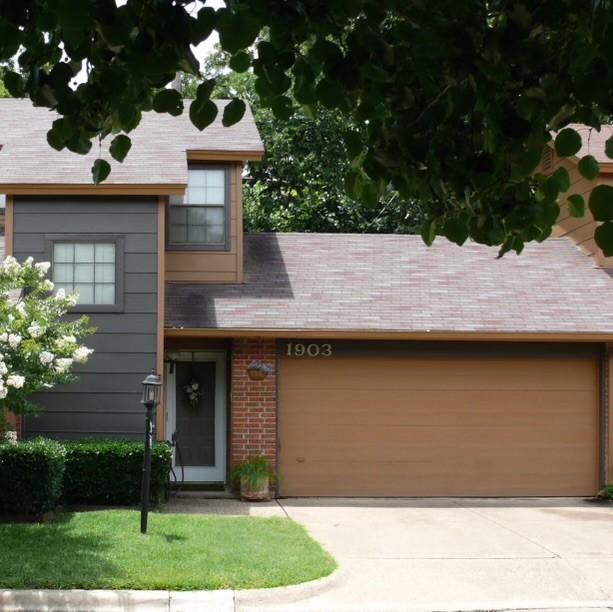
x,y
456,554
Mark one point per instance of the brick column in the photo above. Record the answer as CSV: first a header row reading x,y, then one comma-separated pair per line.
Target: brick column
x,y
253,423
13,422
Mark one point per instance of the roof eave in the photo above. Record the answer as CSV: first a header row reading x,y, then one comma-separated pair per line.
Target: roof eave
x,y
362,334
233,156
131,189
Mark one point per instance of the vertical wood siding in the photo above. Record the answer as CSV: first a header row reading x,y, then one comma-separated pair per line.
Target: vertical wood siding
x,y
214,266
105,401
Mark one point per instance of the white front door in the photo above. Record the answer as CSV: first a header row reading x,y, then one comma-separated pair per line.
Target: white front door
x,y
196,415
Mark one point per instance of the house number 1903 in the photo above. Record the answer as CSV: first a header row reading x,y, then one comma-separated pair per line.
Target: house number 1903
x,y
312,349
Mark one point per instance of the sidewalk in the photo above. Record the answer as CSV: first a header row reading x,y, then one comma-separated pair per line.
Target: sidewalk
x,y
237,601
116,601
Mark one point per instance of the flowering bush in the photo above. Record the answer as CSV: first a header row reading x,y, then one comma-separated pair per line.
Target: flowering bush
x,y
38,344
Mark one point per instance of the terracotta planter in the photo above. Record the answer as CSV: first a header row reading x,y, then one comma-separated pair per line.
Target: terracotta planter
x,y
256,374
261,492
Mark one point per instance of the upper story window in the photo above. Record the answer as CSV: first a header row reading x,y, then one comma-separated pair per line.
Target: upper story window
x,y
87,268
199,221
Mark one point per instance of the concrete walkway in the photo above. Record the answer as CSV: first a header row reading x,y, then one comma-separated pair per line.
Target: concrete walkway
x,y
456,554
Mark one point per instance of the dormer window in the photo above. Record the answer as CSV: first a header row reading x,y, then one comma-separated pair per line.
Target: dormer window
x,y
199,221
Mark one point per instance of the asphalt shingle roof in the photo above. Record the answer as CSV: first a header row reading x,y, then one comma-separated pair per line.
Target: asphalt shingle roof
x,y
158,154
395,283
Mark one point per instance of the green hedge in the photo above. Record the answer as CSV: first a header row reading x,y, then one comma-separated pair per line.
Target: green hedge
x,y
109,472
31,475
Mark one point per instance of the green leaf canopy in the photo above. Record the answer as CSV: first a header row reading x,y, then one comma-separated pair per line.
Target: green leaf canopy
x,y
453,102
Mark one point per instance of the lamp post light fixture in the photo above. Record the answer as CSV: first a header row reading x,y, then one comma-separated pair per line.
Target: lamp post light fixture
x,y
152,386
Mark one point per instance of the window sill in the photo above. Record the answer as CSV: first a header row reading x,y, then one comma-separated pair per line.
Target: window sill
x,y
219,248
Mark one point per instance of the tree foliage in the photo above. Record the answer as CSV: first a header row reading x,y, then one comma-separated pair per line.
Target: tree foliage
x,y
452,101
299,184
3,90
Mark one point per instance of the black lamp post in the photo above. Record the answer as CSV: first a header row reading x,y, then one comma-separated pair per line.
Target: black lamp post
x,y
150,399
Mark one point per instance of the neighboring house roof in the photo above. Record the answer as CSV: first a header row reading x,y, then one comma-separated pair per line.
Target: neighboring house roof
x,y
394,283
158,154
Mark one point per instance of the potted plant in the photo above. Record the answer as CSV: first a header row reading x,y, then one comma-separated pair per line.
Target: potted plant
x,y
258,370
605,496
254,477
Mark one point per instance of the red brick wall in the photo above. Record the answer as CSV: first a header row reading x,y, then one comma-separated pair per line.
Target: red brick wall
x,y
13,422
253,421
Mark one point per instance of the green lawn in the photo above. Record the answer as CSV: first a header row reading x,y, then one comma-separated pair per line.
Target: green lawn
x,y
104,550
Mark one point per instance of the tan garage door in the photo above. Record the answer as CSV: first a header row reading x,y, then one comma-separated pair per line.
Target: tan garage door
x,y
445,426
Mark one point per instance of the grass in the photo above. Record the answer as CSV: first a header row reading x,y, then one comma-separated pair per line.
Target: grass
x,y
104,550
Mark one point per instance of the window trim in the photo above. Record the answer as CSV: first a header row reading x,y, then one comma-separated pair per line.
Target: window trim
x,y
118,241
227,206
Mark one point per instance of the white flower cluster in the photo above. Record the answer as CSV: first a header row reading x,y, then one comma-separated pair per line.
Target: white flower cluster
x,y
13,340
46,357
36,330
10,266
33,332
10,437
17,381
62,364
42,267
81,354
71,298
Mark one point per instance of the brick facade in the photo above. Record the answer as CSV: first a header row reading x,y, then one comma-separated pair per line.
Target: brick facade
x,y
253,414
13,422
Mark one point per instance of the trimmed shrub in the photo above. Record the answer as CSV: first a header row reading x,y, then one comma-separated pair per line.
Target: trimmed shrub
x,y
31,476
109,472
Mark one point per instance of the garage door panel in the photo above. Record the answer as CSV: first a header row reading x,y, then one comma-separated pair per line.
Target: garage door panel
x,y
482,445
376,479
352,427
432,474
496,373
419,407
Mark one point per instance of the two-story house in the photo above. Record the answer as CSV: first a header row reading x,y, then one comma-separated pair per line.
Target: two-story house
x,y
360,365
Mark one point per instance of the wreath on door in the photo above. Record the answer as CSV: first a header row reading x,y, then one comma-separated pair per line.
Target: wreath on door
x,y
193,393
193,390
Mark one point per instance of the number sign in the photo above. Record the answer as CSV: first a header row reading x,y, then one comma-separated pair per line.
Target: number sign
x,y
310,349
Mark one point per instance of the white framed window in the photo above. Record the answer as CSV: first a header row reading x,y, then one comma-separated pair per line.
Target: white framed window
x,y
199,220
87,268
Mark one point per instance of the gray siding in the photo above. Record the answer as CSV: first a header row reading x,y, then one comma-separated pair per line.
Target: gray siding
x,y
105,401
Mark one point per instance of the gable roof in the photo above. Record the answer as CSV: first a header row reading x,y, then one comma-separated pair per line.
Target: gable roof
x,y
394,283
157,156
